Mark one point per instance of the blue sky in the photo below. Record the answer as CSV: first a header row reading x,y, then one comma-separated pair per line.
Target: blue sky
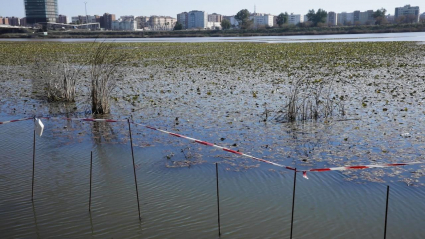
x,y
225,7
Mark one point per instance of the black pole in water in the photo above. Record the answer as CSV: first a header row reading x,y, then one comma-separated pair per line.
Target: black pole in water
x,y
33,164
91,173
293,202
218,200
386,212
134,168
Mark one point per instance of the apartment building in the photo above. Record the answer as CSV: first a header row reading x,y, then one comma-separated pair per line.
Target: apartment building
x,y
162,23
23,21
215,17
127,24
214,25
295,19
85,19
363,17
156,23
183,18
106,21
232,20
344,18
62,19
408,12
261,19
332,19
197,19
128,17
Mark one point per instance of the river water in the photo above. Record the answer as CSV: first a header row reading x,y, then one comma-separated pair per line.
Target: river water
x,y
181,202
375,37
176,178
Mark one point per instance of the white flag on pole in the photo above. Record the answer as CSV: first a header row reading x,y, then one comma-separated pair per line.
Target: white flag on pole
x,y
39,127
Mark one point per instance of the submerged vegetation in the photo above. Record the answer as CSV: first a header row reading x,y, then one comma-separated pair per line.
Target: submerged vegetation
x,y
311,103
310,76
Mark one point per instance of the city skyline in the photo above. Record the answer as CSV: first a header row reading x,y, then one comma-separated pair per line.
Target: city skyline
x,y
172,8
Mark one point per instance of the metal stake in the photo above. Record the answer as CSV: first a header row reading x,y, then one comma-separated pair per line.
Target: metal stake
x,y
218,200
33,164
91,173
134,168
293,201
386,212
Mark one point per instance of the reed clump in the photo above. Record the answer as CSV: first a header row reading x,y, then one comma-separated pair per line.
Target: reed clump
x,y
57,78
311,100
105,67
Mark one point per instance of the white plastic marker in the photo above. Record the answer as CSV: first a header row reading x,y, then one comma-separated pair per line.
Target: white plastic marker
x,y
39,127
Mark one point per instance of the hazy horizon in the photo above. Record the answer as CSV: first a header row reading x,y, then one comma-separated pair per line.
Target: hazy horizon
x,y
172,8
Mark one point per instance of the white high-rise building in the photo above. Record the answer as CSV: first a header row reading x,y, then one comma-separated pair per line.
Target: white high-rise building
x,y
295,18
232,20
124,25
261,19
214,25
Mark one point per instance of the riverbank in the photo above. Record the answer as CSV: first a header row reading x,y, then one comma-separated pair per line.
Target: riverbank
x,y
284,31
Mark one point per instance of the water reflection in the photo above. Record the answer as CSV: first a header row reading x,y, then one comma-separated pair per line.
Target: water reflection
x,y
37,231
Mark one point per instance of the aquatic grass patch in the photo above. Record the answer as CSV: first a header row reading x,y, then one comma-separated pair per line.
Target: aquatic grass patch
x,y
308,99
104,73
57,78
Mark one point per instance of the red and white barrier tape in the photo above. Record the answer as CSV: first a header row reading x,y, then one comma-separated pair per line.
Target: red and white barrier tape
x,y
12,121
276,164
357,167
215,146
84,119
230,150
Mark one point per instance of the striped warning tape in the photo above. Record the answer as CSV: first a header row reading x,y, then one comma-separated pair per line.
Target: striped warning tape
x,y
230,150
213,145
345,168
276,164
12,121
84,119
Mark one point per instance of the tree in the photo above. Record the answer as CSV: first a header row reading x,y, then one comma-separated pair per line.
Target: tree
x,y
411,19
379,13
243,18
178,26
317,17
401,19
225,24
379,16
282,19
381,20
